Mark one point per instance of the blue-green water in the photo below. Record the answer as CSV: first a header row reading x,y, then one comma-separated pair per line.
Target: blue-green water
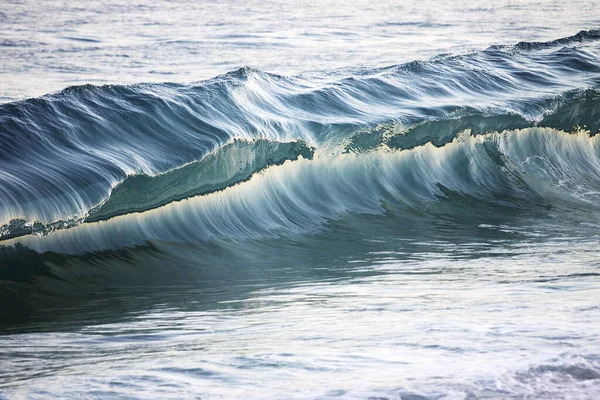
x,y
411,214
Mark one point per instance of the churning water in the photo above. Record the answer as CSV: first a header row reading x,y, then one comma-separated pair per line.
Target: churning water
x,y
294,200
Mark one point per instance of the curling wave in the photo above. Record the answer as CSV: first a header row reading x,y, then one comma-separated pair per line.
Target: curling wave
x,y
504,125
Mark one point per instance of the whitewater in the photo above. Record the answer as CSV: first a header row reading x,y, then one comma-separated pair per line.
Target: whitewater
x,y
411,214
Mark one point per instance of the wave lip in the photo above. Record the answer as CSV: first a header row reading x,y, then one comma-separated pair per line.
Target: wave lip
x,y
230,165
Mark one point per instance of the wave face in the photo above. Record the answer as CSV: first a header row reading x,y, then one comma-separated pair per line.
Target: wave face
x,y
504,126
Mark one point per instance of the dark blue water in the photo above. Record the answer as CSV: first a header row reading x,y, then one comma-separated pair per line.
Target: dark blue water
x,y
352,227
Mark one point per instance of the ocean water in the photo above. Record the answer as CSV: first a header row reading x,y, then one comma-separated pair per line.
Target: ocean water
x,y
293,200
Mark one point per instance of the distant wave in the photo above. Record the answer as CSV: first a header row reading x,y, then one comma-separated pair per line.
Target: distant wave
x,y
503,125
583,36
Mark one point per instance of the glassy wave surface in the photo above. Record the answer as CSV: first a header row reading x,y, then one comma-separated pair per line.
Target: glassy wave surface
x,y
423,230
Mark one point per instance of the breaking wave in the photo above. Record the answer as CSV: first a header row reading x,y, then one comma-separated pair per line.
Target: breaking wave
x,y
253,154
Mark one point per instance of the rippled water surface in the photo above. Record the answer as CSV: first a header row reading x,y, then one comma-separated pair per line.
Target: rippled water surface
x,y
48,45
292,200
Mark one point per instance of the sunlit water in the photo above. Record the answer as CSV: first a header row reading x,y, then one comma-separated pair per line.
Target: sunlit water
x,y
333,221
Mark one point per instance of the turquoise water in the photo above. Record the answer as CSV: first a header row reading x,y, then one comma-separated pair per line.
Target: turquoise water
x,y
300,201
